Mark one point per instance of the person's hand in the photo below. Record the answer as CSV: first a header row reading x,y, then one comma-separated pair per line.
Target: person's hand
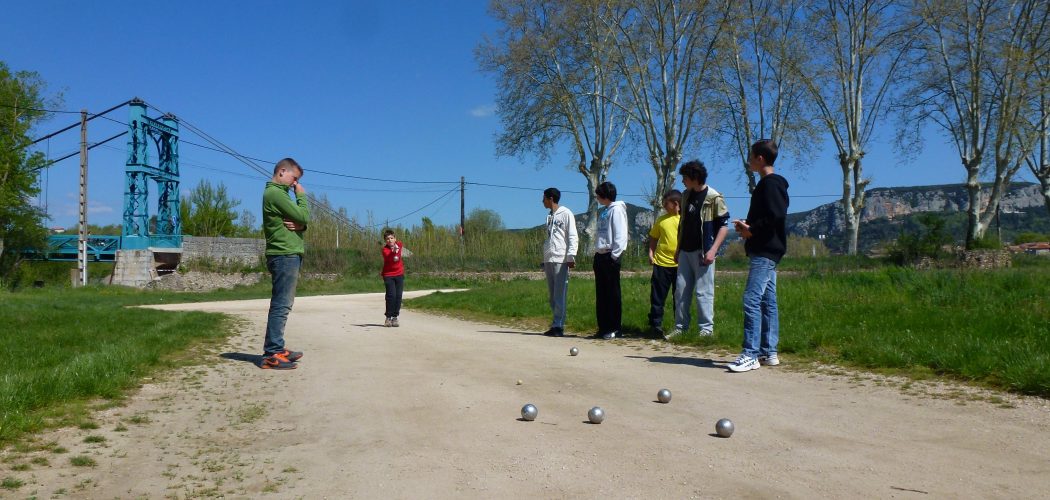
x,y
571,264
293,226
652,260
742,228
709,257
299,189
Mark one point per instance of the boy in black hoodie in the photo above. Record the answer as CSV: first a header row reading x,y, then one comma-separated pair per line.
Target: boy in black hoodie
x,y
765,236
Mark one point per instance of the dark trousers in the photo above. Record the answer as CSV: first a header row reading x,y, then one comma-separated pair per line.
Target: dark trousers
x,y
394,286
663,279
607,299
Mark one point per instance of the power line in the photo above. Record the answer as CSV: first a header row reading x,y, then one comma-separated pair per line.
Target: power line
x,y
52,162
41,110
77,124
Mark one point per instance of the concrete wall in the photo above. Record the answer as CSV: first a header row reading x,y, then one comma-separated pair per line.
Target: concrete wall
x,y
247,251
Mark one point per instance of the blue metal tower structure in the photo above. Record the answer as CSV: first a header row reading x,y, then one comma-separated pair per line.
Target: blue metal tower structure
x,y
146,136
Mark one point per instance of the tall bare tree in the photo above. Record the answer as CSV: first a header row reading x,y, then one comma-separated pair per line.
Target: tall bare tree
x,y
976,84
854,51
667,53
1037,116
760,96
557,84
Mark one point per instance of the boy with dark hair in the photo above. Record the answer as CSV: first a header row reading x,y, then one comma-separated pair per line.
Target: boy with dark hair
x,y
393,273
284,222
559,255
765,236
663,241
703,228
610,243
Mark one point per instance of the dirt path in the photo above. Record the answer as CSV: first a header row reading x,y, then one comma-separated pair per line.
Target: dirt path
x,y
430,410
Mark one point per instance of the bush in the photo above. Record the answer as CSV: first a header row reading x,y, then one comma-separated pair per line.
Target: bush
x,y
1028,237
927,239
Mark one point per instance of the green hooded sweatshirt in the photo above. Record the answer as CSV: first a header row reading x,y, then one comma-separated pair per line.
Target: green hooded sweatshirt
x,y
277,205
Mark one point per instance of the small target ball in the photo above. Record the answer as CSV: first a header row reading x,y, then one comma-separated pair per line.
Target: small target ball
x,y
724,428
574,351
519,382
664,396
596,415
529,412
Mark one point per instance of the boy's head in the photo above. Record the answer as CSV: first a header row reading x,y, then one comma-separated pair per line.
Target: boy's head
x,y
673,201
694,174
287,172
389,236
763,154
551,197
606,191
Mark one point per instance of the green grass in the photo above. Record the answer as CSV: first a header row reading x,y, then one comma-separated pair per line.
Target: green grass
x,y
67,347
988,327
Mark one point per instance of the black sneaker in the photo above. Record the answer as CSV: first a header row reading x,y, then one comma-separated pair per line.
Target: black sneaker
x,y
598,335
555,332
612,335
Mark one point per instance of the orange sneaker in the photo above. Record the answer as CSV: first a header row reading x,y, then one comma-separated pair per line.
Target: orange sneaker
x,y
276,361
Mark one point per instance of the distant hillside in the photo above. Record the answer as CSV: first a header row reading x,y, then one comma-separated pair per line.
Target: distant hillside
x,y
888,210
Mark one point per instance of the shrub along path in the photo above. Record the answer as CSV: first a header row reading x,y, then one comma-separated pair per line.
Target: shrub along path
x,y
430,410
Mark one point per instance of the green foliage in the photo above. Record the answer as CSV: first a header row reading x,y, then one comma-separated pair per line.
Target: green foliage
x,y
209,211
924,236
21,223
982,326
481,221
1028,237
989,242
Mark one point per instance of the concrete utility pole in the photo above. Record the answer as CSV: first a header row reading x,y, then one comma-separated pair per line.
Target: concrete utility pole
x,y
462,209
82,232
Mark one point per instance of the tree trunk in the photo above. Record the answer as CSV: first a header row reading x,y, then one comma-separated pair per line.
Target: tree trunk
x,y
664,168
852,199
595,175
1044,183
974,229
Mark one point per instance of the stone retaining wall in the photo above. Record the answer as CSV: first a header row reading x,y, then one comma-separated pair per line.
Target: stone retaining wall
x,y
247,251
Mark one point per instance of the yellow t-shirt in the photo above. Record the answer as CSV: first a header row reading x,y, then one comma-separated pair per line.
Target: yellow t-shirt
x,y
665,231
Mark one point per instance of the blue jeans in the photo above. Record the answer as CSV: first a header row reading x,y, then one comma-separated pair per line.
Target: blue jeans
x,y
284,273
395,288
761,320
557,289
694,276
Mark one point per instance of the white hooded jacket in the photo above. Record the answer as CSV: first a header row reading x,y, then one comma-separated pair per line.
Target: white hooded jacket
x,y
612,230
562,240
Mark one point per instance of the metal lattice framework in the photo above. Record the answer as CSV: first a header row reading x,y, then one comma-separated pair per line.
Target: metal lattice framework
x,y
162,137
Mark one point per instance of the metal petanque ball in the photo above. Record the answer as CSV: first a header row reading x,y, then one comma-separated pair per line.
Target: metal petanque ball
x,y
596,415
724,428
529,412
574,351
664,396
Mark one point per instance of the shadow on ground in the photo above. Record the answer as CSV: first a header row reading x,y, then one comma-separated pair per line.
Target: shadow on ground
x,y
678,360
255,359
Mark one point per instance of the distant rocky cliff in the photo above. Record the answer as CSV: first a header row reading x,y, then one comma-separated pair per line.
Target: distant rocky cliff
x,y
884,206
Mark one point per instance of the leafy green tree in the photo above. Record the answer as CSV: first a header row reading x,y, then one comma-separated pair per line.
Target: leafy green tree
x,y
21,224
209,211
483,220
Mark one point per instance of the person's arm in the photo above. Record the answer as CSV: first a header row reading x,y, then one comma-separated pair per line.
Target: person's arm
x,y
573,241
652,249
618,223
720,236
297,211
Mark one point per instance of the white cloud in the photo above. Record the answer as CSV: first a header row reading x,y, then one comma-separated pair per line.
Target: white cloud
x,y
483,111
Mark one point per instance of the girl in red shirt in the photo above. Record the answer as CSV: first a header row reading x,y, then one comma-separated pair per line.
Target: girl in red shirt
x,y
393,275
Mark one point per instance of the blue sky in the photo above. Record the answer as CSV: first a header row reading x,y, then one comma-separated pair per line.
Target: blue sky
x,y
376,89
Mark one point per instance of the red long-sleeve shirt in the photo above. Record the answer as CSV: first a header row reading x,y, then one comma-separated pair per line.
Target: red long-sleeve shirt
x,y
392,263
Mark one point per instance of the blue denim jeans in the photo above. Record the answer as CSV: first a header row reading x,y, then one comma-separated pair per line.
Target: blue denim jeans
x,y
284,273
557,289
761,320
694,277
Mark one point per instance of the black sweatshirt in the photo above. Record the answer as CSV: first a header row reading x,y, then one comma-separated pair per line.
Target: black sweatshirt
x,y
767,217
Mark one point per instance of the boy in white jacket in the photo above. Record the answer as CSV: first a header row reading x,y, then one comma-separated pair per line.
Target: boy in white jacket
x,y
559,255
610,242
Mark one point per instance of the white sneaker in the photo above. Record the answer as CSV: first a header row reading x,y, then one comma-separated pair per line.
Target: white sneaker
x,y
673,333
706,333
387,322
771,360
744,363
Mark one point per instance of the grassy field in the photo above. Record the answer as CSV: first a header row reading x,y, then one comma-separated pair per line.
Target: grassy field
x,y
69,350
990,328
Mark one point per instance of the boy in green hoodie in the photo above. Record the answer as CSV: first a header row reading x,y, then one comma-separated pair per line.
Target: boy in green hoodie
x,y
284,222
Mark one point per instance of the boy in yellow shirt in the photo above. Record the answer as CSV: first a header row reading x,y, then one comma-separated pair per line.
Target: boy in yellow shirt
x,y
663,241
